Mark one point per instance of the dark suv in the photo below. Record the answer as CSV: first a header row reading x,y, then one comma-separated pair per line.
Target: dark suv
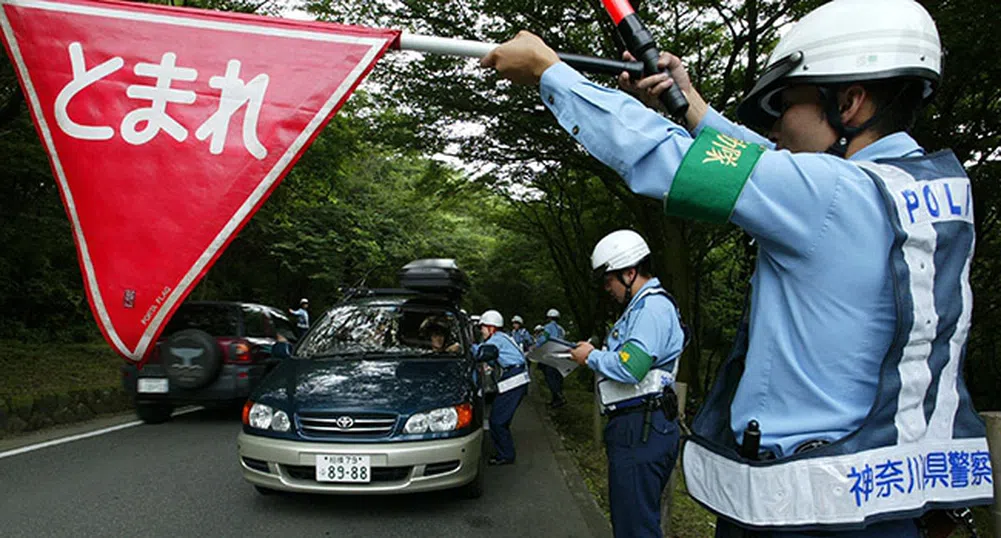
x,y
381,396
210,353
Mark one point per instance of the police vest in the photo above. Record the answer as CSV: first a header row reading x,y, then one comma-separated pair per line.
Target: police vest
x,y
922,445
613,394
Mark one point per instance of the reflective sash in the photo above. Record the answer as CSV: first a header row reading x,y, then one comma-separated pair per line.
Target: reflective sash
x,y
513,382
917,450
612,392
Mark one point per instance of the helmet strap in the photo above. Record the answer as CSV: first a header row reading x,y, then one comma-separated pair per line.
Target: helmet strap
x,y
628,285
846,134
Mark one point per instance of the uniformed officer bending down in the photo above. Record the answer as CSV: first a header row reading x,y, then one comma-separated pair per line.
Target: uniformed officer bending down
x,y
512,387
635,382
842,409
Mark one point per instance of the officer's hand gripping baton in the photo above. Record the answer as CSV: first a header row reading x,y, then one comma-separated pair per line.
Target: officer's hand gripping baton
x,y
641,45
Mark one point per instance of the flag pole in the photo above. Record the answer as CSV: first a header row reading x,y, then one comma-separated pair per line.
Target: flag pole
x,y
478,49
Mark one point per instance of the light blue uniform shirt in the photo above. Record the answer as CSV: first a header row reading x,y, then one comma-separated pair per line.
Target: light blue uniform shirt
x,y
551,330
302,318
508,353
522,337
822,305
651,323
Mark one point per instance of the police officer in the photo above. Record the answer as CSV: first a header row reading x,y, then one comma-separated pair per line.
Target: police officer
x,y
301,317
504,352
635,382
844,388
520,333
554,379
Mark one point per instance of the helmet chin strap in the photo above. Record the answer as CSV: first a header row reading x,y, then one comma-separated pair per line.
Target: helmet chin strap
x,y
628,285
846,134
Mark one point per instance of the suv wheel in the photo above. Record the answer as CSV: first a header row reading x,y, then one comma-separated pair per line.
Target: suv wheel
x,y
154,413
192,358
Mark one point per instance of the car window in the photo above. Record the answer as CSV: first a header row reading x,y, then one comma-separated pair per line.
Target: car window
x,y
380,328
284,326
215,319
255,322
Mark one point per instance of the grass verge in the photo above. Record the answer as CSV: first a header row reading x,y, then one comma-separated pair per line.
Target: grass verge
x,y
33,369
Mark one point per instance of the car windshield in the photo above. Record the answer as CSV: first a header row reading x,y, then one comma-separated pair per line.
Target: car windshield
x,y
371,330
215,319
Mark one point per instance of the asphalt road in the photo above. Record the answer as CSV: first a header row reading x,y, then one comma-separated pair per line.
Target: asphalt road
x,y
182,479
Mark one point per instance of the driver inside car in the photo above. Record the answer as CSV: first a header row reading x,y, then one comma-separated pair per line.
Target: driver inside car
x,y
437,330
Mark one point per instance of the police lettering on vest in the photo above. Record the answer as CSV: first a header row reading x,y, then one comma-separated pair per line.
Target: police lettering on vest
x,y
922,445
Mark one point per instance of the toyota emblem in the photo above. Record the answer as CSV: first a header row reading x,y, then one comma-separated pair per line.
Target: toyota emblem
x,y
345,422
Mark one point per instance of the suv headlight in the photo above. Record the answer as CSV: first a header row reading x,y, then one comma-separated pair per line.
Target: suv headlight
x,y
444,419
263,417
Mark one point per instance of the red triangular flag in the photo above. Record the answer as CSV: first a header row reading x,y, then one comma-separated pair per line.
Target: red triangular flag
x,y
167,128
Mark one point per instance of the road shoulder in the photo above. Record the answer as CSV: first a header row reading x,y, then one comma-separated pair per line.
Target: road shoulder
x,y
594,518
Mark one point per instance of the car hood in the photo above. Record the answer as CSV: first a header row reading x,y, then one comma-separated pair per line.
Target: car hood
x,y
398,386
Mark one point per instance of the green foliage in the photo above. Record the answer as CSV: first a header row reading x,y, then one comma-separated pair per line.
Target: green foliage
x,y
523,213
34,369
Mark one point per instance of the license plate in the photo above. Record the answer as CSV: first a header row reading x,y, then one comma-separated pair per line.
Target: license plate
x,y
153,385
342,468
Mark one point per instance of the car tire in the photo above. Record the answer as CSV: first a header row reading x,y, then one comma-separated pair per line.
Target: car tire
x,y
154,413
474,489
192,359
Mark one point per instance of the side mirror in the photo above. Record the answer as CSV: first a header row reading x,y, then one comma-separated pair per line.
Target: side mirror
x,y
488,353
281,350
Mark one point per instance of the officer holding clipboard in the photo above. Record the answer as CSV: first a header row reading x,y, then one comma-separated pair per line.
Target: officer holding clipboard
x,y
636,374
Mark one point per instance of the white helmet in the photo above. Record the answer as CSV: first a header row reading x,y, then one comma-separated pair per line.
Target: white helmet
x,y
517,319
552,313
538,328
492,317
848,41
620,249
304,301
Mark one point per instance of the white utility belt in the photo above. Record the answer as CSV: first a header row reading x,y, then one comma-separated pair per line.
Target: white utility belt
x,y
612,392
513,382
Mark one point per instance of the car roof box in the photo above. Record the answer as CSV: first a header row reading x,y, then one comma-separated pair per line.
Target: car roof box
x,y
435,275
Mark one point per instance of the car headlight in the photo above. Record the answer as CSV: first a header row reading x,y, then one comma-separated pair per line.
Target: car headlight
x,y
444,419
261,416
417,423
280,422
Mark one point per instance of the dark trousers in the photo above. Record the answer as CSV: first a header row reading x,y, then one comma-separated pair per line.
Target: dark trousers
x,y
638,472
554,380
501,414
902,528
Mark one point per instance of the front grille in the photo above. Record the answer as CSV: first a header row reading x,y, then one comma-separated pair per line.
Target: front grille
x,y
432,469
379,474
346,424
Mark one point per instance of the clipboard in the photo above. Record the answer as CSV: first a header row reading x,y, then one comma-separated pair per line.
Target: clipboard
x,y
555,352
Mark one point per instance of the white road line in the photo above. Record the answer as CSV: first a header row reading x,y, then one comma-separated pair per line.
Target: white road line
x,y
79,436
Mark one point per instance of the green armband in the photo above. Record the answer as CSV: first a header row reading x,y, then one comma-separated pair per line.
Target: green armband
x,y
711,176
635,360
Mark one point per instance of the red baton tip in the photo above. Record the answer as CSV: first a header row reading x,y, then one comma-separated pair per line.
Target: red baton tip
x,y
618,9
